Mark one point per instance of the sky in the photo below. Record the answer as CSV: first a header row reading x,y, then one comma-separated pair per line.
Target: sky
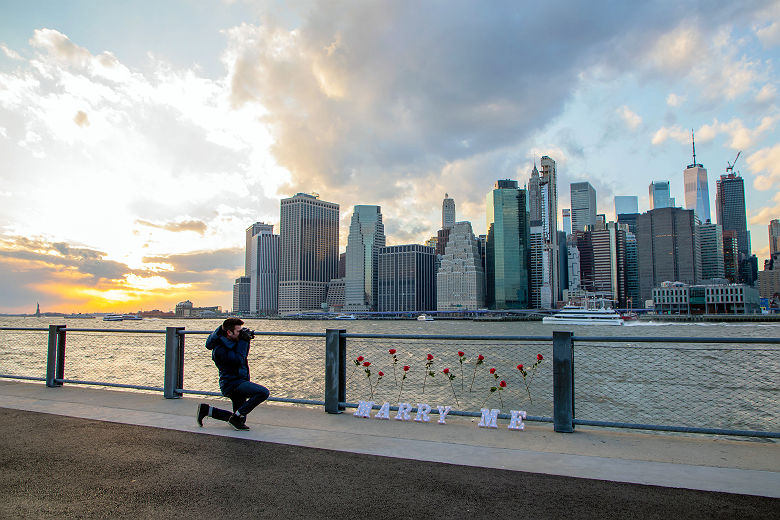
x,y
138,140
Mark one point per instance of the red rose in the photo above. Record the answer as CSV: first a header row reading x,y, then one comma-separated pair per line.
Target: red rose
x,y
430,357
360,358
492,370
520,366
367,364
406,368
381,373
480,357
502,384
446,370
392,351
539,357
461,353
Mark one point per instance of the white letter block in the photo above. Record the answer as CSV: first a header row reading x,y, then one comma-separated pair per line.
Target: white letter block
x,y
364,409
516,422
423,409
384,412
443,411
403,412
489,417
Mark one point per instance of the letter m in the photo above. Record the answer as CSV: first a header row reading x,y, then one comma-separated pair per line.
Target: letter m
x,y
364,409
489,417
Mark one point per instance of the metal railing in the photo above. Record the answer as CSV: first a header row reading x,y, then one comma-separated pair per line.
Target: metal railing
x,y
695,385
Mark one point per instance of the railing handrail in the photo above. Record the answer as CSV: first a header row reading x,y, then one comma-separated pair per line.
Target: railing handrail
x,y
261,333
670,339
446,336
43,329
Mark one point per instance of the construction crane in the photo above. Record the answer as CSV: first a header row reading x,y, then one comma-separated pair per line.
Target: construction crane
x,y
731,165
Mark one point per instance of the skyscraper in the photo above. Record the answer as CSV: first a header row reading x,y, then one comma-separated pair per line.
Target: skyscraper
x,y
308,251
668,248
731,256
566,216
583,206
660,196
406,279
697,193
626,204
241,291
603,262
251,231
447,212
633,298
731,213
711,239
543,209
774,237
366,236
264,272
507,251
460,280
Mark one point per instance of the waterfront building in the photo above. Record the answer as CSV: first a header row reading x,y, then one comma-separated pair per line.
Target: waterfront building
x,y
536,271
566,217
406,278
251,232
366,236
633,298
629,219
680,298
447,212
264,272
507,250
573,264
603,262
308,251
335,296
563,265
774,237
697,193
730,210
660,196
730,256
626,204
769,278
242,290
668,248
583,205
711,239
543,208
184,309
460,280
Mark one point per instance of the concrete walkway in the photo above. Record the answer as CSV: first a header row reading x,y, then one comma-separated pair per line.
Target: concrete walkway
x,y
743,466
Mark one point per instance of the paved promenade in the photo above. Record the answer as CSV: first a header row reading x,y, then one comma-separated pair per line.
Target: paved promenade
x,y
141,455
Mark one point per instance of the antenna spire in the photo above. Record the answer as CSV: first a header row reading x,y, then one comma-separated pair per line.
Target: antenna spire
x,y
693,142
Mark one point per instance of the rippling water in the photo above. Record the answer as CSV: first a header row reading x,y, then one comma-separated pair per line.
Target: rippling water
x,y
713,385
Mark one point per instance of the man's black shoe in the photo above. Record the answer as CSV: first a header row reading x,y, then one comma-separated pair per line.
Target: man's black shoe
x,y
238,422
203,411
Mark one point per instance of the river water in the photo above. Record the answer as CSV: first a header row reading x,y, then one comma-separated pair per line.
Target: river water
x,y
731,385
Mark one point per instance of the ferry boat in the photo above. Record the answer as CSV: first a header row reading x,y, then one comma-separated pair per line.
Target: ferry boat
x,y
113,317
424,317
576,315
131,317
345,317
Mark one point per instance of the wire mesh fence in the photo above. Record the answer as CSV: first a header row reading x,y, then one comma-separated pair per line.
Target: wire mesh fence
x,y
290,367
468,385
115,357
710,386
24,353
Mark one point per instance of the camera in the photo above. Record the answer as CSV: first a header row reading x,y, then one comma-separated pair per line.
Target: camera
x,y
246,334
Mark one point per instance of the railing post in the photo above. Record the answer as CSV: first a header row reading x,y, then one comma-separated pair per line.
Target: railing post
x,y
563,382
55,357
335,370
174,362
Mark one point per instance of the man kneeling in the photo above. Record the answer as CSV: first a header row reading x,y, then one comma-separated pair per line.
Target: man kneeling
x,y
229,346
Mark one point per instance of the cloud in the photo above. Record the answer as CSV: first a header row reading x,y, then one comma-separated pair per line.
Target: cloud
x,y
202,261
10,52
740,137
767,94
197,226
765,163
673,100
631,119
766,213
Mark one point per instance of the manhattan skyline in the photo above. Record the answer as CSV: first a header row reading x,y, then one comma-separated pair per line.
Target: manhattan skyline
x,y
140,140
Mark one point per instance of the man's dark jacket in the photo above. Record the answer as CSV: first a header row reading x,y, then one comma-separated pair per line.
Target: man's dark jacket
x,y
231,360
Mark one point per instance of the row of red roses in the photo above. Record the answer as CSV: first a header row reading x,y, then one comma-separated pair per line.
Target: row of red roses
x,y
500,385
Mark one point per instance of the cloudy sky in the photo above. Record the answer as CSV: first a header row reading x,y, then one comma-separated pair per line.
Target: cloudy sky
x,y
138,140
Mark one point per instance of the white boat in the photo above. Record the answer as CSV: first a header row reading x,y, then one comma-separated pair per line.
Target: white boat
x,y
576,315
345,317
113,317
424,317
131,317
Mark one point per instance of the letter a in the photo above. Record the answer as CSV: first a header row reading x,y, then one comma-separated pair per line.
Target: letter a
x,y
489,418
384,412
364,409
516,421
